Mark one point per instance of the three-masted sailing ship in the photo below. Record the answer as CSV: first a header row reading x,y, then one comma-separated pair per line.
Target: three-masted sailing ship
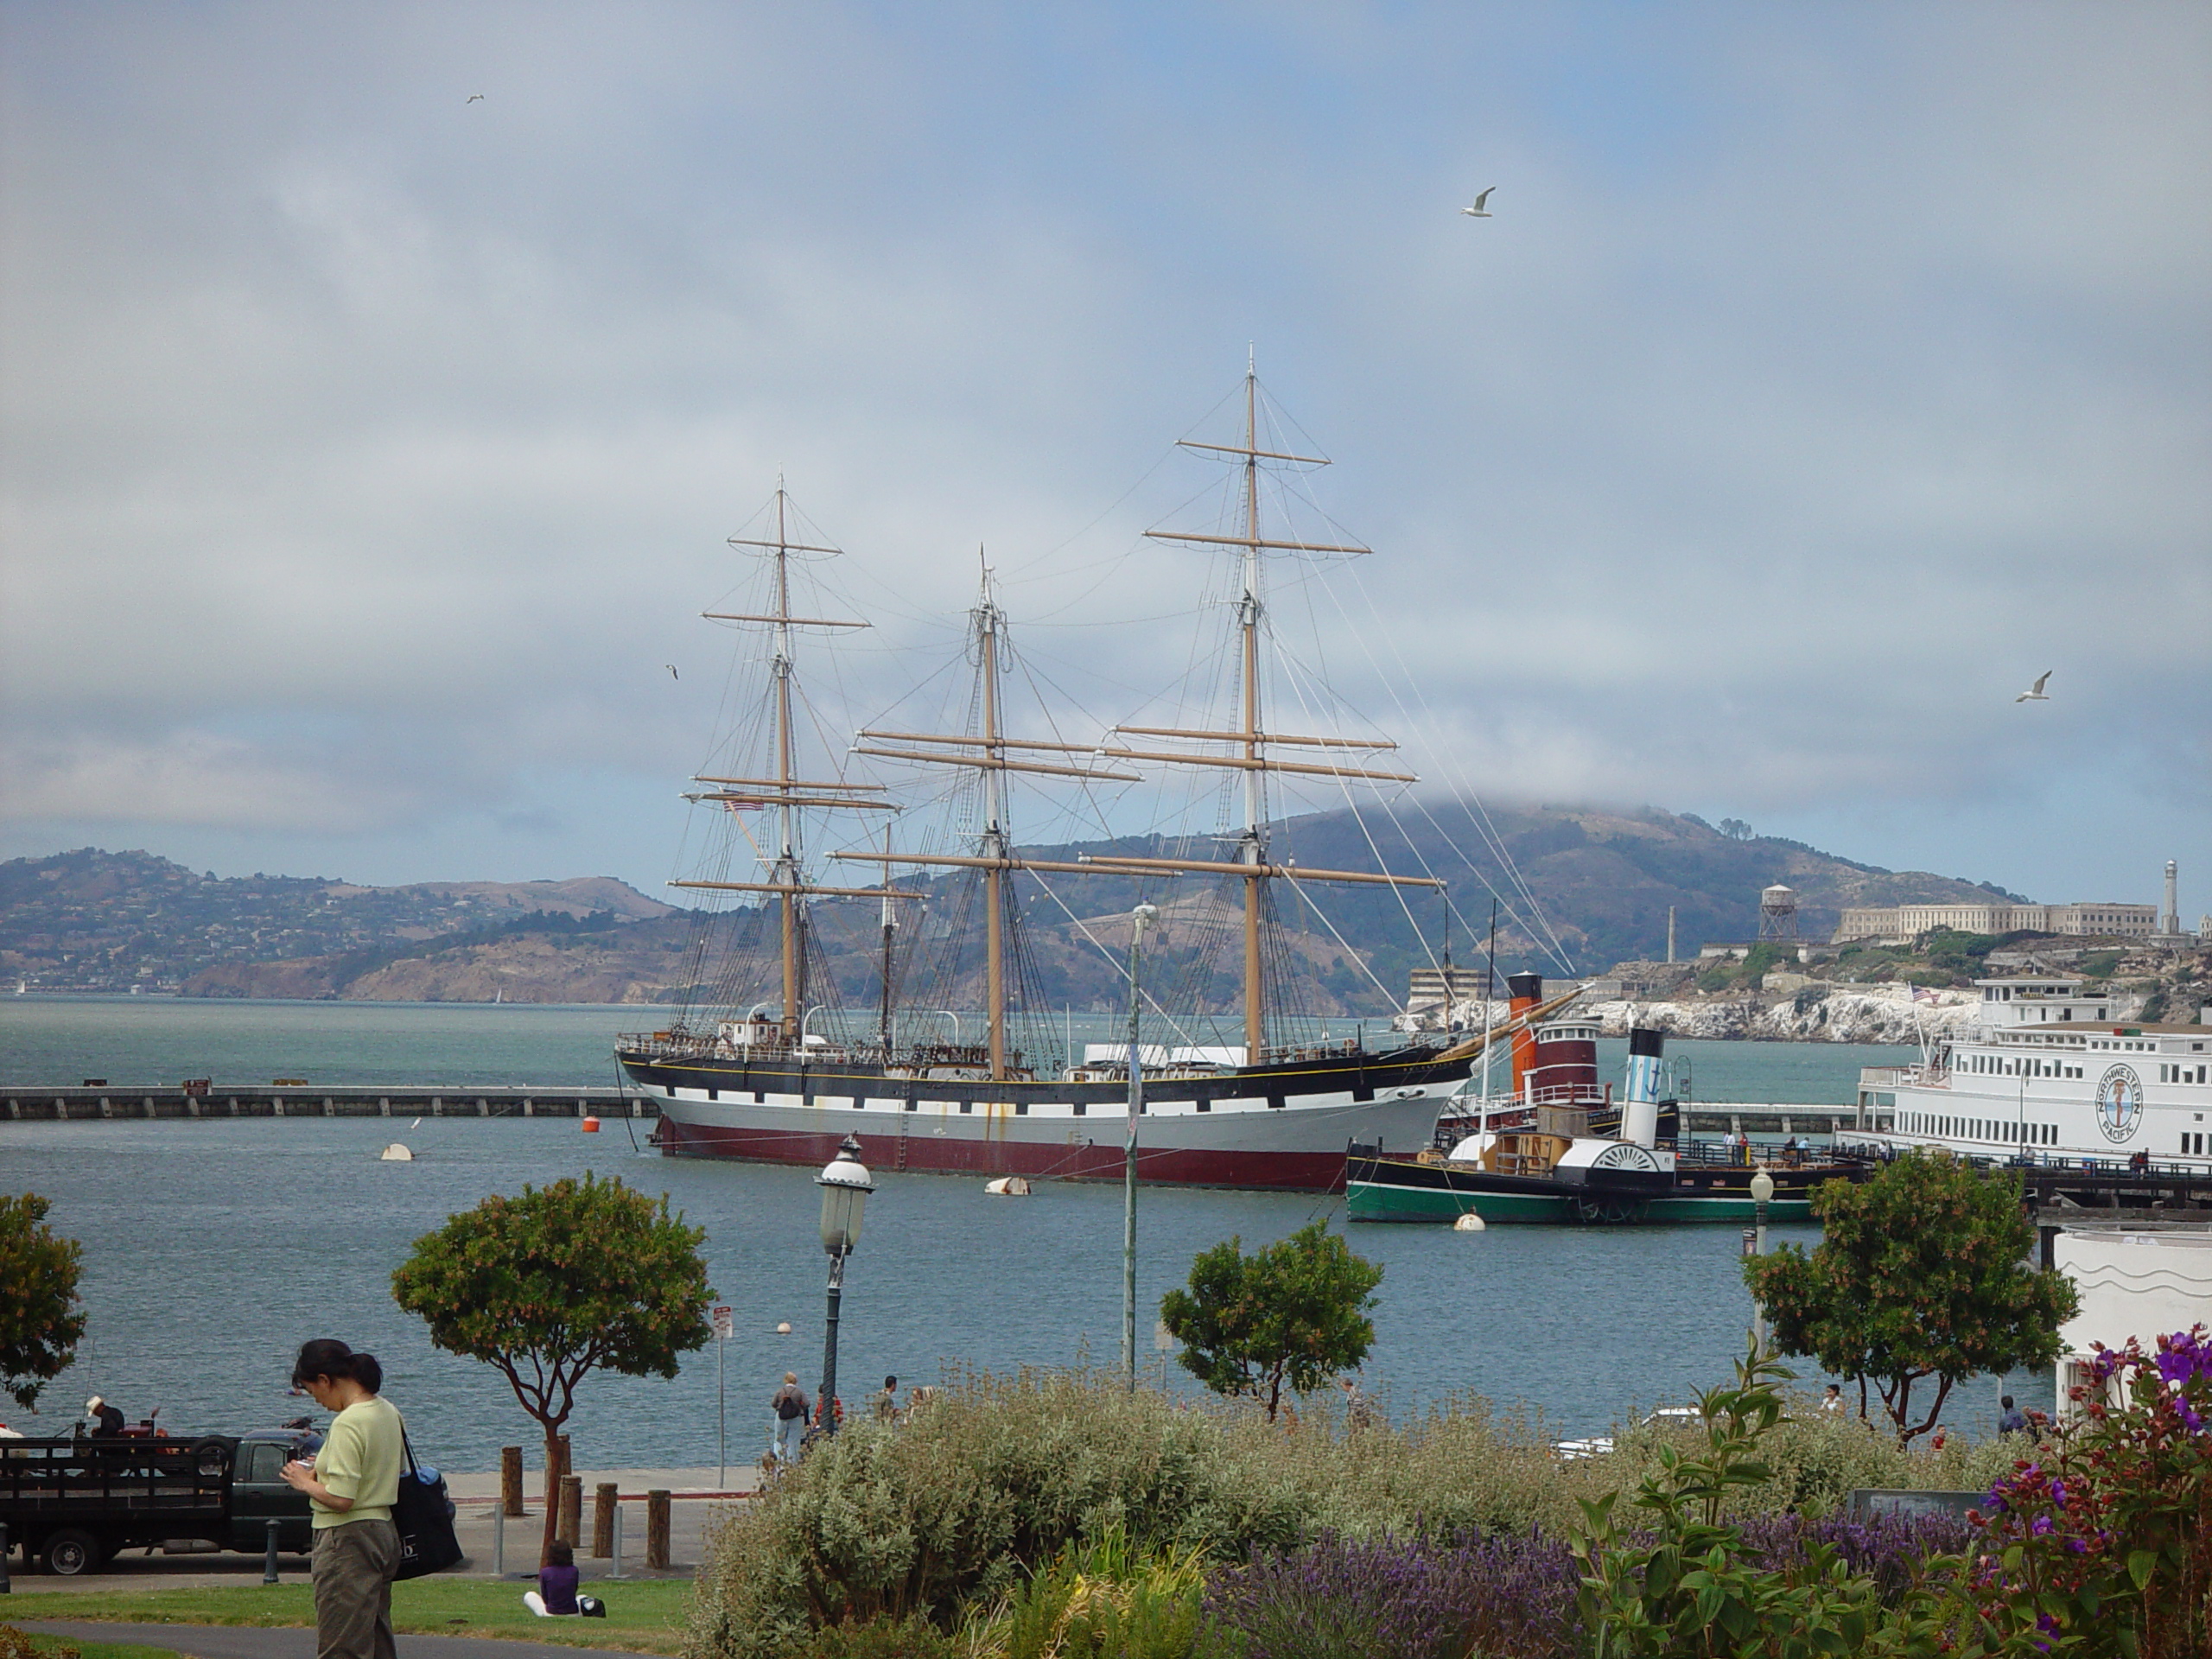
x,y
756,1080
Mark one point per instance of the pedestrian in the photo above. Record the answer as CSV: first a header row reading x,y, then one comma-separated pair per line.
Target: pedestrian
x,y
886,1403
1358,1413
555,1595
2014,1422
790,1405
1833,1399
351,1487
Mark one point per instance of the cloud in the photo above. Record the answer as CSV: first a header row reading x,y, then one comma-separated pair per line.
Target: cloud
x,y
1825,375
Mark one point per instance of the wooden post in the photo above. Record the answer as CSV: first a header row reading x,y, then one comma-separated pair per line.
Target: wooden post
x,y
570,1521
603,1499
510,1479
656,1528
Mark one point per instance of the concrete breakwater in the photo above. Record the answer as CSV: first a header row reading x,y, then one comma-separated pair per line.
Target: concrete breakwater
x,y
135,1103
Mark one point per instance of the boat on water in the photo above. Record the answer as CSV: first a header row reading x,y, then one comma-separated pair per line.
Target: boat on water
x,y
1557,1147
765,1062
2045,1075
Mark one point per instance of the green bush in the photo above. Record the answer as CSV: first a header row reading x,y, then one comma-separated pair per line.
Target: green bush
x,y
983,1491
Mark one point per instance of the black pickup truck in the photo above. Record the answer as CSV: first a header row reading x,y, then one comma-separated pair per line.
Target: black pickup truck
x,y
70,1504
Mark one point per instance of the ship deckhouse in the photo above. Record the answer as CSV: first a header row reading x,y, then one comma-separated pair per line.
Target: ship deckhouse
x,y
2047,1074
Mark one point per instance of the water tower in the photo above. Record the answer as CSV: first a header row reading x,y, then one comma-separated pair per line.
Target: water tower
x,y
1778,914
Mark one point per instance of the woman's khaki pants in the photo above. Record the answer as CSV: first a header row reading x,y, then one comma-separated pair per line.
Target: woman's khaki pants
x,y
353,1565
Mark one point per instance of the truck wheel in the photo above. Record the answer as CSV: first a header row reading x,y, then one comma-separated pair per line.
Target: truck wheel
x,y
70,1552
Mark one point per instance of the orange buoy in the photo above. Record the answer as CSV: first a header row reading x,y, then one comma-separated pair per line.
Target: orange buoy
x,y
591,1126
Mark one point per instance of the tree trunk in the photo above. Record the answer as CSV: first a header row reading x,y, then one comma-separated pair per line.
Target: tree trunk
x,y
556,1466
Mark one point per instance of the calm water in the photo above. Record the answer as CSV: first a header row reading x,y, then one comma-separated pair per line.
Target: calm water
x,y
212,1249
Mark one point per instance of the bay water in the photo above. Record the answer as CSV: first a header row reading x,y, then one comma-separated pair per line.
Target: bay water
x,y
213,1249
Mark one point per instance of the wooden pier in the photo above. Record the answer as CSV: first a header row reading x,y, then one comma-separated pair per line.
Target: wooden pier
x,y
138,1104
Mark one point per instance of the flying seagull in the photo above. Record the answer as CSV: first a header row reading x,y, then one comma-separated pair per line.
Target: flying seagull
x,y
1481,209
474,97
672,674
2034,693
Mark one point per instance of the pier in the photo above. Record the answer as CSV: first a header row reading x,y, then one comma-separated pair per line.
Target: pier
x,y
139,1103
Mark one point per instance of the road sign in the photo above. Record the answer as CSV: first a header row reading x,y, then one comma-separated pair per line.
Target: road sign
x,y
725,1325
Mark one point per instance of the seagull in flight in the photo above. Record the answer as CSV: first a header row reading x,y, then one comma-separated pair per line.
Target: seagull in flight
x,y
474,97
673,675
2035,693
1481,209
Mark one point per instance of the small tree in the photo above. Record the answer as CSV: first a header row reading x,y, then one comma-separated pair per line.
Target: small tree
x,y
559,1282
39,1327
1294,1313
1922,1272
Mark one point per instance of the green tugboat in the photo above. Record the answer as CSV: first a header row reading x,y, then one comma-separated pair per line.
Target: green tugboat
x,y
1559,1150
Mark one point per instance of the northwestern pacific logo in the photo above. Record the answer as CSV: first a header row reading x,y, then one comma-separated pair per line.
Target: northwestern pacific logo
x,y
2120,1103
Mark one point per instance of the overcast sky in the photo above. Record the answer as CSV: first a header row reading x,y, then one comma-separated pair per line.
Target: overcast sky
x,y
1825,375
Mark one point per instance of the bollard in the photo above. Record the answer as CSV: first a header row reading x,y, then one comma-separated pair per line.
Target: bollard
x,y
656,1528
499,1540
603,1499
269,1561
510,1479
6,1588
572,1505
614,1543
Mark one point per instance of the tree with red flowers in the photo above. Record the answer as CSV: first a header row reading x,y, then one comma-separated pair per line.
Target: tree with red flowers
x,y
1922,1272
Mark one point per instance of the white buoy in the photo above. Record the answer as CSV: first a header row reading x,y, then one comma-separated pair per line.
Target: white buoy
x,y
1470,1222
396,1153
1008,1187
784,1328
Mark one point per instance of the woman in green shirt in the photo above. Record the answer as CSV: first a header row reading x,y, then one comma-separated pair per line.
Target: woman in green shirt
x,y
351,1487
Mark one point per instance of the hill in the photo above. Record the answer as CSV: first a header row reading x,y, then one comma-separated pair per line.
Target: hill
x,y
1602,880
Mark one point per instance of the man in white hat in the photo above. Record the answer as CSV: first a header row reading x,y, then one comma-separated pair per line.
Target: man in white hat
x,y
106,1419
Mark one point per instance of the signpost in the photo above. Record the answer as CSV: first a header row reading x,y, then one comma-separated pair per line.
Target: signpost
x,y
725,1328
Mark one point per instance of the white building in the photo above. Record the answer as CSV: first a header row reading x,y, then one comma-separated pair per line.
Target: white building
x,y
1897,924
2144,1280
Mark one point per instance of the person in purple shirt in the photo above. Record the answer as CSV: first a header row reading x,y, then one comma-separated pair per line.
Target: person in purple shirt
x,y
555,1595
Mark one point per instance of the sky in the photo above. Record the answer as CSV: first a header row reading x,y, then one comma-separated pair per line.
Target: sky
x,y
1825,373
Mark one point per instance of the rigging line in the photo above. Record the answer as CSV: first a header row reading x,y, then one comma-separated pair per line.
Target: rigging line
x,y
1296,681
1460,786
1105,952
1159,461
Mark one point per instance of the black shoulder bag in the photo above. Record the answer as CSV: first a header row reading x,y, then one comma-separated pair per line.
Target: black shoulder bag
x,y
424,1515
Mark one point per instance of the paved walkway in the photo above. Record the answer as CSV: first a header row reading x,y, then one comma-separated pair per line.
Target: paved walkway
x,y
699,1503
252,1642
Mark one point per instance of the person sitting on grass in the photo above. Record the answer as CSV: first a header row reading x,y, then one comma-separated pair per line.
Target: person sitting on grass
x,y
555,1595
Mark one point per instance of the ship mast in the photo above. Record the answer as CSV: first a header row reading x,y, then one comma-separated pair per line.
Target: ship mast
x,y
786,792
993,845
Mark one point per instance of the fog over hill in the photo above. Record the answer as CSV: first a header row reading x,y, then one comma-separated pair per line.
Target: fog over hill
x,y
1578,889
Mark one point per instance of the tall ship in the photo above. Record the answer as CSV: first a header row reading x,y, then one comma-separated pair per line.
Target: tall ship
x,y
2046,1075
771,1060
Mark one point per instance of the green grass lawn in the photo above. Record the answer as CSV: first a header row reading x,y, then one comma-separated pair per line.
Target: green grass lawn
x,y
645,1615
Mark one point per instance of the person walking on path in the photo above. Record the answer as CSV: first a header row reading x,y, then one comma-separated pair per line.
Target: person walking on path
x,y
2014,1422
789,1403
351,1487
1359,1413
886,1403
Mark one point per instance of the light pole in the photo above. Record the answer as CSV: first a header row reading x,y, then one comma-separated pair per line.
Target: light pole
x,y
1762,1192
1141,919
845,1185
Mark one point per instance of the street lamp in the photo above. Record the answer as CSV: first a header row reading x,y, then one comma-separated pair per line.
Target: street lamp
x,y
1761,1193
845,1185
1141,921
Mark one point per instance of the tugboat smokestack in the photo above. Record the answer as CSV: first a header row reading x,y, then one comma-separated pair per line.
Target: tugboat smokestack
x,y
1525,992
1640,1101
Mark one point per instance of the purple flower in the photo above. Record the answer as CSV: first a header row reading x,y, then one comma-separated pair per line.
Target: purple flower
x,y
2059,1491
2041,1526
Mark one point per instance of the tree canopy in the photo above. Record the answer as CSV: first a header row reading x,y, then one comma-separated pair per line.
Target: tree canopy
x,y
563,1281
1293,1314
1921,1272
40,1323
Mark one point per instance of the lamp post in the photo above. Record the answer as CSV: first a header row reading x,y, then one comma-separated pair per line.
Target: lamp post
x,y
1141,921
1762,1192
845,1184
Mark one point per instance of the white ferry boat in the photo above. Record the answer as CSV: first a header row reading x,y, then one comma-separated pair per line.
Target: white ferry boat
x,y
2046,1075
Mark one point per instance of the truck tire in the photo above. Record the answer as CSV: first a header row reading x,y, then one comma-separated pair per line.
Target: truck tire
x,y
70,1552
